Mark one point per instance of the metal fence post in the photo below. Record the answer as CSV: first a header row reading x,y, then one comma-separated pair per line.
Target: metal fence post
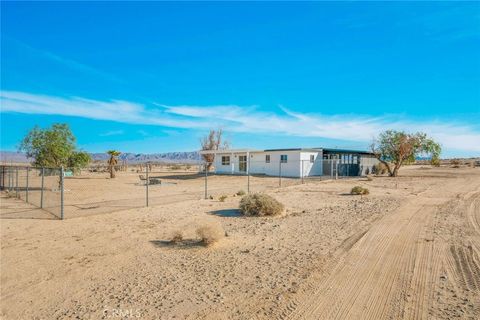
x,y
280,173
206,180
26,189
16,182
248,176
41,190
61,193
303,173
147,182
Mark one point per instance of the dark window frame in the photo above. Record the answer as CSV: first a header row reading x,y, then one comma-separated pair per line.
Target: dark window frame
x,y
225,160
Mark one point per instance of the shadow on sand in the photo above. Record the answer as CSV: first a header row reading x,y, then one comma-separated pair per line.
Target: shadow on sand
x,y
184,244
227,213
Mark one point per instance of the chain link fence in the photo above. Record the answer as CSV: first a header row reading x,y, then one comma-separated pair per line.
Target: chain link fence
x,y
69,193
41,187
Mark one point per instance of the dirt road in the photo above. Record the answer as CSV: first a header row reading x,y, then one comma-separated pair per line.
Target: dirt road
x,y
421,262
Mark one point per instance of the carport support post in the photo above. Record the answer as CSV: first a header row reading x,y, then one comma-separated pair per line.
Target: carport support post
x,y
336,169
331,169
61,192
147,182
206,180
26,189
41,190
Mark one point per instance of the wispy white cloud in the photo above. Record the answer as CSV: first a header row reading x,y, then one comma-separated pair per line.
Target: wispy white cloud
x,y
66,62
112,133
250,119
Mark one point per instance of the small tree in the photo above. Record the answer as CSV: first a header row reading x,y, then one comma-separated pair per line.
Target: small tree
x,y
79,160
395,148
112,161
53,147
212,141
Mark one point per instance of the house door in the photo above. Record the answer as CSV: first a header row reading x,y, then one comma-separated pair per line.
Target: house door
x,y
242,163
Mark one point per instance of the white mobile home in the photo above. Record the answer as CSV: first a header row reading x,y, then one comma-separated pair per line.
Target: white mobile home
x,y
293,162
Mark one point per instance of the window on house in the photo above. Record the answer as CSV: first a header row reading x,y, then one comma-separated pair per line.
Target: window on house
x,y
283,158
225,160
312,158
267,158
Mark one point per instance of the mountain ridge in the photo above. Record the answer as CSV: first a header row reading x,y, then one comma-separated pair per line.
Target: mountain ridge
x,y
165,157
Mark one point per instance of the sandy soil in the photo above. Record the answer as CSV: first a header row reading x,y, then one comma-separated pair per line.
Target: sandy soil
x,y
410,249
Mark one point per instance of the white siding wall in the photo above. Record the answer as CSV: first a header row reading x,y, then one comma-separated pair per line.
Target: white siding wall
x,y
309,168
234,161
258,164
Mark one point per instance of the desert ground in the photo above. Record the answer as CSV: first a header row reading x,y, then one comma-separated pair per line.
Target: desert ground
x,y
408,250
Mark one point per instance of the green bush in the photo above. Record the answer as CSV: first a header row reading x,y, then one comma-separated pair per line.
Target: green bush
x,y
241,193
222,198
260,204
359,190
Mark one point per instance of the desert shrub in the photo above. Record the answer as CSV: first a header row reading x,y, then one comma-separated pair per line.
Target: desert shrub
x,y
222,197
369,178
260,204
175,167
435,162
379,168
177,236
241,193
455,163
359,190
210,233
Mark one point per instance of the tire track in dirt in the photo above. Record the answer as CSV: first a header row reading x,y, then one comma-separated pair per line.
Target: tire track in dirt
x,y
391,271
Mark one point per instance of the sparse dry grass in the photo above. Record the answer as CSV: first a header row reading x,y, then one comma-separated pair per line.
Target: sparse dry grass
x,y
177,236
260,204
210,233
241,193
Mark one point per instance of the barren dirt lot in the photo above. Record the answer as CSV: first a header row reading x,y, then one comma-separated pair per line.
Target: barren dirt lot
x,y
410,249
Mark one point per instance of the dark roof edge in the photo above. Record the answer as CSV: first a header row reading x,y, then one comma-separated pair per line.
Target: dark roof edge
x,y
332,150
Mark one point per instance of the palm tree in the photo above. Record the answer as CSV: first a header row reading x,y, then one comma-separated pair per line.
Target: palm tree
x,y
112,162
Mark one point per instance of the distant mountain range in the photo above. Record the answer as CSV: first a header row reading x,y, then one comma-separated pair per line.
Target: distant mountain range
x,y
132,158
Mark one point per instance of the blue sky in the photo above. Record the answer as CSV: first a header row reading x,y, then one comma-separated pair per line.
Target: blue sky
x,y
154,77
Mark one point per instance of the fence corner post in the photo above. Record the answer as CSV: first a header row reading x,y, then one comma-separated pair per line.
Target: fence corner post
x,y
61,192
